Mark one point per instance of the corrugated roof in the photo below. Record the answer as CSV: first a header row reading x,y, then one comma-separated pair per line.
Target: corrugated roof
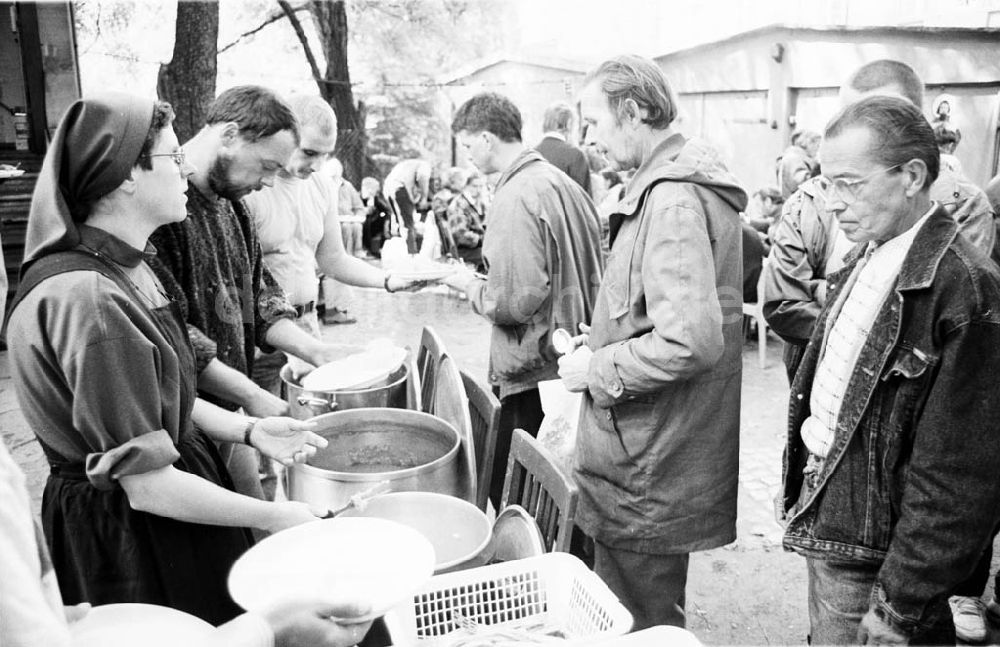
x,y
985,32
466,71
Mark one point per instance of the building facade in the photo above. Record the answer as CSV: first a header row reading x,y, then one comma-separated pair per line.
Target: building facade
x,y
39,79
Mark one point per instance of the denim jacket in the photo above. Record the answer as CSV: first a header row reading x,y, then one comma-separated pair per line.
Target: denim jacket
x,y
911,480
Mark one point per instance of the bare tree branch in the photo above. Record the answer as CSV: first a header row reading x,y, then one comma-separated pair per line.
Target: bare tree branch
x,y
382,8
297,26
273,18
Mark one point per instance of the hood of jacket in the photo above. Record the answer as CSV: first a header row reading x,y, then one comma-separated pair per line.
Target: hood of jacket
x,y
685,160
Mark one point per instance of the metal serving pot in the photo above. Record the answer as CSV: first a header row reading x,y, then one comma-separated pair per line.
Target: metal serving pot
x,y
412,450
459,531
303,404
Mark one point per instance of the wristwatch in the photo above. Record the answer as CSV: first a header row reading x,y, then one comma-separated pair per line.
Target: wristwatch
x,y
251,423
386,283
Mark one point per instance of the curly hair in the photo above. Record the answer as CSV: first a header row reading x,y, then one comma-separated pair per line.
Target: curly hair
x,y
163,116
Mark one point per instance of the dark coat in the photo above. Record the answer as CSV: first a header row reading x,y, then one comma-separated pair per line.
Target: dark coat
x,y
567,158
658,442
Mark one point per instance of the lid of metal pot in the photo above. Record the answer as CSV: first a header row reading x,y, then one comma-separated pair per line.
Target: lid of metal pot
x,y
356,371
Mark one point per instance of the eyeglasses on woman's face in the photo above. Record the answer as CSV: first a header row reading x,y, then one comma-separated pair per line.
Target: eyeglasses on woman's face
x,y
178,156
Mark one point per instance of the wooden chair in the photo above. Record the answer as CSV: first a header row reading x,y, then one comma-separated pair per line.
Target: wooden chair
x,y
535,482
756,310
428,357
451,404
484,410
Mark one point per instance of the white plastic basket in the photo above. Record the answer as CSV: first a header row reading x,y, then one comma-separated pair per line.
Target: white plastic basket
x,y
555,589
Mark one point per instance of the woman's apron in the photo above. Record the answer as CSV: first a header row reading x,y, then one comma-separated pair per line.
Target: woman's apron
x,y
104,551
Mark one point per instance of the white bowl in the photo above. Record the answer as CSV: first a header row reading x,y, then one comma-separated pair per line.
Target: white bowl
x,y
372,561
128,625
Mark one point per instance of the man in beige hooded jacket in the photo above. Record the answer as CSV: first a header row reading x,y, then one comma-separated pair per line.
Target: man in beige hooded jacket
x,y
658,444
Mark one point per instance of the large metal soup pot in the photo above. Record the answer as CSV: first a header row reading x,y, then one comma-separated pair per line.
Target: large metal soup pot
x,y
303,404
412,450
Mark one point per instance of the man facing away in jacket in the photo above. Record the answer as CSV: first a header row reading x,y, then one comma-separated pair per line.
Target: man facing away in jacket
x,y
557,144
890,474
657,450
543,252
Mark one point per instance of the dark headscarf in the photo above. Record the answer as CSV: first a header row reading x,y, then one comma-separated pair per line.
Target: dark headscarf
x,y
94,149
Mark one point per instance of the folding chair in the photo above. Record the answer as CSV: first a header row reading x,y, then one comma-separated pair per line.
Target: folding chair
x,y
428,357
452,405
484,410
412,384
535,482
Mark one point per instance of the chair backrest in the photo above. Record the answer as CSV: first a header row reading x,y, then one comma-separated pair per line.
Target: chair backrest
x,y
757,307
413,400
452,405
535,482
484,410
762,281
428,357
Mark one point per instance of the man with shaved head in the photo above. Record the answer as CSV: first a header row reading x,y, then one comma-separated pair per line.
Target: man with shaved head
x,y
297,220
885,76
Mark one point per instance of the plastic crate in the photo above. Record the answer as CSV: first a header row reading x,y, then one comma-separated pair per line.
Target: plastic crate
x,y
555,588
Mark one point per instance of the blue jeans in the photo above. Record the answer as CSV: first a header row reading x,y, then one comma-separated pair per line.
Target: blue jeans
x,y
839,597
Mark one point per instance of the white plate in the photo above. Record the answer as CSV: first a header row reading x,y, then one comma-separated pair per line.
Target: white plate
x,y
434,274
355,371
373,561
128,625
516,535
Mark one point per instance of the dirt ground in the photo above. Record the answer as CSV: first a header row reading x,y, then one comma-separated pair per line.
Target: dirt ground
x,y
748,593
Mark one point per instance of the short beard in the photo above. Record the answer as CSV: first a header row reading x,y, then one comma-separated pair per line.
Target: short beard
x,y
218,180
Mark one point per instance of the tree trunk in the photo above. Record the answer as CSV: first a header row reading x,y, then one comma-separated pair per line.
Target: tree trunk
x,y
330,17
188,80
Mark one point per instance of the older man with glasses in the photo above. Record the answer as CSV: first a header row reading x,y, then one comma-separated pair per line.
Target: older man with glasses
x,y
807,245
890,484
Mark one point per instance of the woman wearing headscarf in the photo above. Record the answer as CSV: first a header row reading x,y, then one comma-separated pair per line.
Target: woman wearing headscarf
x,y
138,506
